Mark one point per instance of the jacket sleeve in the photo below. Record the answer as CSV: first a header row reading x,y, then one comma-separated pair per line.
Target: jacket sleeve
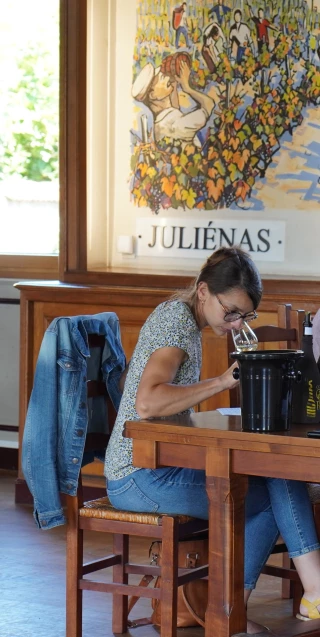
x,y
39,446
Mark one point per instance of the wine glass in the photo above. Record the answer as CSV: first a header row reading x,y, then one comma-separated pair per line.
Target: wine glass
x,y
245,339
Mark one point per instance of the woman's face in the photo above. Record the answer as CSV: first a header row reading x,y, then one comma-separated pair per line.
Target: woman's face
x,y
161,87
212,313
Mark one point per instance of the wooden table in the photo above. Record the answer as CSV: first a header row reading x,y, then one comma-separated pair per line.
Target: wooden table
x,y
216,444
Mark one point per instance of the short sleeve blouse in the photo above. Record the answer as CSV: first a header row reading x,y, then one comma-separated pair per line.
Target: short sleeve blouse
x,y
171,324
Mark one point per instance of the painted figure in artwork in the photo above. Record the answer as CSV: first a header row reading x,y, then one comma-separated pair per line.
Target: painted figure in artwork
x,y
157,88
213,45
240,37
219,11
180,24
219,88
262,26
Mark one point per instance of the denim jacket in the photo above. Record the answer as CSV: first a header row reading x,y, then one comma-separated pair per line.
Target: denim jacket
x,y
57,416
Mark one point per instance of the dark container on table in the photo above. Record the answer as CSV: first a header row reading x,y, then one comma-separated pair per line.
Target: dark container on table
x,y
266,383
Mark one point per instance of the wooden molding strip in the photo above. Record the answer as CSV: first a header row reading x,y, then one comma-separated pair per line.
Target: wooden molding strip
x,y
9,428
4,301
25,266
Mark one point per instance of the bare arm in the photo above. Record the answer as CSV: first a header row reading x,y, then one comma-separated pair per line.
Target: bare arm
x,y
158,396
204,100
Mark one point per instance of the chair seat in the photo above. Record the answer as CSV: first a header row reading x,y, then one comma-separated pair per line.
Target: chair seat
x,y
103,509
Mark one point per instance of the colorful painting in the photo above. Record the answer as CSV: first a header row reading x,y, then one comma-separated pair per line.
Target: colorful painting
x,y
226,105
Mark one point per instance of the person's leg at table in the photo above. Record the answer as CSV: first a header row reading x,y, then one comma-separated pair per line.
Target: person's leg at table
x,y
276,506
298,531
169,490
176,491
261,534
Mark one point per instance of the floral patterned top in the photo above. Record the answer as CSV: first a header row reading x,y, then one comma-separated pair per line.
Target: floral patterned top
x,y
171,324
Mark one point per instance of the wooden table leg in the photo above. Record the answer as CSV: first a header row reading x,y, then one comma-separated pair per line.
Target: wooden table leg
x,y
226,613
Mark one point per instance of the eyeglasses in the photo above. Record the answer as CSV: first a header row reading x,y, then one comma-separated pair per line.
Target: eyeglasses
x,y
230,317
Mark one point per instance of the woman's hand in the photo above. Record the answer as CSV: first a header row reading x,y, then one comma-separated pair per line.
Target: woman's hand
x,y
184,76
227,379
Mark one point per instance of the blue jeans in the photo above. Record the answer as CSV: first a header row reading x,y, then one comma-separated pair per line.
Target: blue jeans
x,y
273,507
240,54
182,31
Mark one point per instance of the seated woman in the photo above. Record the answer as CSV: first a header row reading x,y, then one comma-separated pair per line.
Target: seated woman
x,y
163,380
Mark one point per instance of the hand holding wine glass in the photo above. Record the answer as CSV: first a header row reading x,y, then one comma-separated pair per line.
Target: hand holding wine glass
x,y
244,339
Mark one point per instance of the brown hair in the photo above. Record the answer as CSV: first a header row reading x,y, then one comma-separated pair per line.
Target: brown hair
x,y
226,269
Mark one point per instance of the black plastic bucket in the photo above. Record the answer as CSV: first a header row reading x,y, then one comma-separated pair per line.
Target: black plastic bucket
x,y
266,382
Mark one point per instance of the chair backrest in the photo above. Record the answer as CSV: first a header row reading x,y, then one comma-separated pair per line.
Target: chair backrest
x,y
286,335
97,388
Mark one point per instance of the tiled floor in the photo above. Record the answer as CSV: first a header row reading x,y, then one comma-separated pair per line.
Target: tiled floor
x,y
32,581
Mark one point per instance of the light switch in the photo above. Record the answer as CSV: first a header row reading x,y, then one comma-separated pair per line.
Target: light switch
x,y
125,244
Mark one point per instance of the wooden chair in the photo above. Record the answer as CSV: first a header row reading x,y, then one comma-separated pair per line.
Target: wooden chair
x,y
287,335
100,515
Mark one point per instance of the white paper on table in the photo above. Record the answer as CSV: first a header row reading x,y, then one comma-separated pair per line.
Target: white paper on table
x,y
230,411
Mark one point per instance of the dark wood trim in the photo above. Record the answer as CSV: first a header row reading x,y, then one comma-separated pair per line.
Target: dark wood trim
x,y
9,428
302,294
8,458
296,288
9,301
286,290
130,279
73,190
26,362
23,495
62,136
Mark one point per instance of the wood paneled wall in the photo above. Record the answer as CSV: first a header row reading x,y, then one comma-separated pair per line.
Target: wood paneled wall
x,y
42,302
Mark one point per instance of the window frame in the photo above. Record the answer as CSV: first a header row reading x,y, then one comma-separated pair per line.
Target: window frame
x,y
72,156
26,266
71,264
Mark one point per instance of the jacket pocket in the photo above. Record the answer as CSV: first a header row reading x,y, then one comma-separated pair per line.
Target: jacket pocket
x,y
69,375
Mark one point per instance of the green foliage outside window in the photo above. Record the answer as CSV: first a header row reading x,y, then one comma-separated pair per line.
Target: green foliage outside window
x,y
30,131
